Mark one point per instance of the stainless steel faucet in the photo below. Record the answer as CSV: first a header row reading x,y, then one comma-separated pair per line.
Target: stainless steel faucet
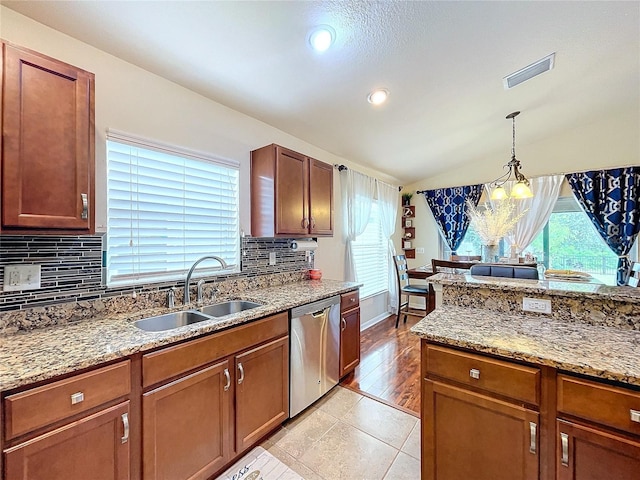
x,y
199,295
187,300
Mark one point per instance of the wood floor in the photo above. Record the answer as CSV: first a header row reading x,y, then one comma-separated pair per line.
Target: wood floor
x,y
389,367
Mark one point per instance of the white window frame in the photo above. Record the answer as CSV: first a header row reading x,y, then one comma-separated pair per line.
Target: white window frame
x,y
125,267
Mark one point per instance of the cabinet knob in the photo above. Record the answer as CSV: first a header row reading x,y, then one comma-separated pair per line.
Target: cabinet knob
x,y
474,373
635,415
77,397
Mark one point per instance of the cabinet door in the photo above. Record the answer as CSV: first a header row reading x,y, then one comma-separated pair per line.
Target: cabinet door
x,y
588,454
262,391
321,197
349,341
468,435
186,427
48,143
95,447
291,196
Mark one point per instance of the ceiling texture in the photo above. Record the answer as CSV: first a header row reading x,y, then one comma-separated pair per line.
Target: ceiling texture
x,y
443,63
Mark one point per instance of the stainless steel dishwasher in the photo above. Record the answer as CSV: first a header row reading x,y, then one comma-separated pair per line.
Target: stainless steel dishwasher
x,y
315,354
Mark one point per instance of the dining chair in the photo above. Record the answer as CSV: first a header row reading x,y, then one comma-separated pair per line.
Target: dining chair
x,y
408,290
449,266
466,258
634,275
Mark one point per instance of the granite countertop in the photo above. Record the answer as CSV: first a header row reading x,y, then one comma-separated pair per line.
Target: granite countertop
x,y
583,289
598,351
43,354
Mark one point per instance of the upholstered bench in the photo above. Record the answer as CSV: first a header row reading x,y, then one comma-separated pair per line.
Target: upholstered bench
x,y
506,271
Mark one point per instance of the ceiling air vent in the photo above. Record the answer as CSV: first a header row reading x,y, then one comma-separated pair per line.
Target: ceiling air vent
x,y
529,71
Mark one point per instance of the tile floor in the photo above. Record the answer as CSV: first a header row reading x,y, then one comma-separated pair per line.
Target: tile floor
x,y
348,436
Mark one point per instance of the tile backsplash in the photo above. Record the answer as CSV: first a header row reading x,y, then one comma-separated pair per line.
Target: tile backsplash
x,y
71,267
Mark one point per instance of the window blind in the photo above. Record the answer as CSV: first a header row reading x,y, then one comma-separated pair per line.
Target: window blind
x,y
166,209
371,254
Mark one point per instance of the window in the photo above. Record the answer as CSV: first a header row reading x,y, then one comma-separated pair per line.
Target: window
x,y
371,254
166,208
570,242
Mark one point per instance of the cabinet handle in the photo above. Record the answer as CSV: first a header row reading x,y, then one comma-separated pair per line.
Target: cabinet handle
x,y
474,373
241,379
533,437
125,424
85,206
564,440
635,415
228,377
313,223
304,223
77,397
343,322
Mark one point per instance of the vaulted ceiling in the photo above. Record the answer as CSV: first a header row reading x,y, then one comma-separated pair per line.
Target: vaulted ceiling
x,y
442,61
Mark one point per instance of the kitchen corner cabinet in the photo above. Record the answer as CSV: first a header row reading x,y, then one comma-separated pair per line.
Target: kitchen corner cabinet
x,y
349,332
72,428
202,395
291,194
47,159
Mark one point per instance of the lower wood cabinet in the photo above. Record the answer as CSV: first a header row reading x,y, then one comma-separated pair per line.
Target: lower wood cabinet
x,y
95,447
586,453
187,425
210,399
467,435
349,332
262,391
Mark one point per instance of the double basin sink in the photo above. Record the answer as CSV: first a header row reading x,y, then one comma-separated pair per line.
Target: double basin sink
x,y
169,321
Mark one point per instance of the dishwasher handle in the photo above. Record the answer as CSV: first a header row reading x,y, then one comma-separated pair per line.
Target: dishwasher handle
x,y
320,313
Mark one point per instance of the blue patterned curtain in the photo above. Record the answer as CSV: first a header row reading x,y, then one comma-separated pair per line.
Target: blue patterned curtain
x,y
449,207
611,199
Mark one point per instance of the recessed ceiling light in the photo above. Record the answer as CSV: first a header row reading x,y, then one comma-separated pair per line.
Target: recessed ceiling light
x,y
321,38
378,96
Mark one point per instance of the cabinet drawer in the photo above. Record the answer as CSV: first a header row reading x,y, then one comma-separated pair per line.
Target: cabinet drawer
x,y
349,300
600,403
504,378
41,406
172,361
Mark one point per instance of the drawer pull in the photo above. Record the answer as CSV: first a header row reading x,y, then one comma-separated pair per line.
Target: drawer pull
x,y
125,424
635,415
228,377
533,437
77,397
240,367
564,440
474,373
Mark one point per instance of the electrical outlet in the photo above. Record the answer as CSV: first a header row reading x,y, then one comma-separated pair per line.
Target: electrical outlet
x,y
272,258
537,305
420,250
21,277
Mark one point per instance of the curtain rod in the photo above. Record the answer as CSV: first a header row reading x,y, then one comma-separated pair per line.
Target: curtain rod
x,y
344,167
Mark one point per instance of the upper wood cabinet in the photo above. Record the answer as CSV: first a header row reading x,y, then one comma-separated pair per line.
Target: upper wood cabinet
x,y
47,160
291,194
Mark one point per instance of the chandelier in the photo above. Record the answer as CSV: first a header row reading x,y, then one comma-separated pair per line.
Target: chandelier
x,y
521,189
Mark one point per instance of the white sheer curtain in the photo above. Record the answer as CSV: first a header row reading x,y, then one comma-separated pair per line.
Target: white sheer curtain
x,y
357,195
388,196
545,194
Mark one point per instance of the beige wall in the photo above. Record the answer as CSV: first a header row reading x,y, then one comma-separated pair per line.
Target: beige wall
x,y
132,100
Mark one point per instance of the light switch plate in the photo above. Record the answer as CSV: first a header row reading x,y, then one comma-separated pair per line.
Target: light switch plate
x,y
21,277
420,250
